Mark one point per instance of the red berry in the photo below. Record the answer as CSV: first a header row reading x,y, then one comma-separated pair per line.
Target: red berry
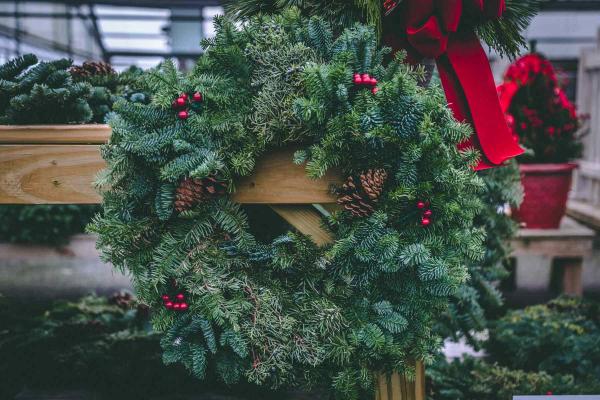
x,y
183,114
425,222
373,81
427,213
169,305
183,96
357,79
165,297
420,205
510,120
197,97
375,90
180,296
181,102
184,306
176,306
366,79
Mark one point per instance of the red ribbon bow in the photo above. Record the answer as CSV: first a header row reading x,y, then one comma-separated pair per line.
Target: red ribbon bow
x,y
432,29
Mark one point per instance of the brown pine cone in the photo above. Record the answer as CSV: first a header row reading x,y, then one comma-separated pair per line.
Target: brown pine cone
x,y
359,196
92,68
192,191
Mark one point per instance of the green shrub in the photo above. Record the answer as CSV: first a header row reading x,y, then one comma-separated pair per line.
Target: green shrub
x,y
558,337
475,379
43,224
100,344
41,93
479,299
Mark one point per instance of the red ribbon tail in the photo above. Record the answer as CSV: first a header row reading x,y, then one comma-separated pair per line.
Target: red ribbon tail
x,y
471,93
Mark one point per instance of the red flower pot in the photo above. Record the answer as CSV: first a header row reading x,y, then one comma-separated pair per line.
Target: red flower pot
x,y
546,188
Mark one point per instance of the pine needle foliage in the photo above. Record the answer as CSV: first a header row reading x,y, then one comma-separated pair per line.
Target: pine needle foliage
x,y
286,313
479,299
41,93
504,35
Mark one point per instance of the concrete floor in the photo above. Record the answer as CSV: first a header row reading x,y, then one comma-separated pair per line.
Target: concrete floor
x,y
42,272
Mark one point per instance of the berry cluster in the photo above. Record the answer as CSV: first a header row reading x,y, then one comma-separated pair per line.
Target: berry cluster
x,y
184,102
427,213
178,304
366,80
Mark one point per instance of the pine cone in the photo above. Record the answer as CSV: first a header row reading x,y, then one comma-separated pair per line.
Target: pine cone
x,y
92,68
359,196
192,191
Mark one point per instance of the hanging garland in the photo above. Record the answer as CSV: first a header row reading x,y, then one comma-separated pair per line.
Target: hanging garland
x,y
286,312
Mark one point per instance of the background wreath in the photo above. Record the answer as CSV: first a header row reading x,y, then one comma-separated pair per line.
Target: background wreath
x,y
235,302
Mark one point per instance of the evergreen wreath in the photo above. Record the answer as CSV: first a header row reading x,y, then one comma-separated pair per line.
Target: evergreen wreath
x,y
285,312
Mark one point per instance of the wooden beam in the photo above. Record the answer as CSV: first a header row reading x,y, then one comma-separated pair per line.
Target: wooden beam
x,y
51,165
277,180
586,213
570,240
54,134
306,219
52,174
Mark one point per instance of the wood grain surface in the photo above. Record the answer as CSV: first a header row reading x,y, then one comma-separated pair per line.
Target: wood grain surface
x,y
277,180
49,174
48,166
306,219
54,134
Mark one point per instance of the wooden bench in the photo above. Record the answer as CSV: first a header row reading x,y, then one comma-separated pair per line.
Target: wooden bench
x,y
567,247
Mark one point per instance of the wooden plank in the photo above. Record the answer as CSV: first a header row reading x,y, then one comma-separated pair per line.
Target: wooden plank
x,y
585,213
396,386
306,219
278,181
64,174
54,134
382,388
569,228
420,381
572,269
570,240
553,247
49,174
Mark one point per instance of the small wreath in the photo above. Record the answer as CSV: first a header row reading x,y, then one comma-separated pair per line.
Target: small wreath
x,y
286,312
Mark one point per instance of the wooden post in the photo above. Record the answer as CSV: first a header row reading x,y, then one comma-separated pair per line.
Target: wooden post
x,y
58,164
571,269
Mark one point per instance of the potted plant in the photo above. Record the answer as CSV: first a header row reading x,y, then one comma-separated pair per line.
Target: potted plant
x,y
545,122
